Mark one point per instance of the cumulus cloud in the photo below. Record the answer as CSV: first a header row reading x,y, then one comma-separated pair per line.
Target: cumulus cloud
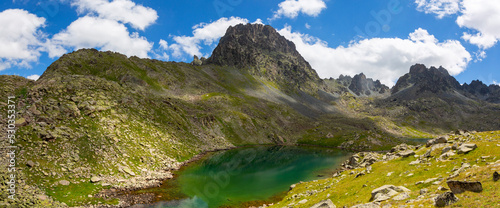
x,y
482,16
203,33
440,8
124,11
21,39
33,77
292,8
106,34
385,59
479,15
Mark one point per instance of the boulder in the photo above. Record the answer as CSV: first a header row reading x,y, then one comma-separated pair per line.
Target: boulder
x,y
427,154
496,176
21,122
438,140
445,150
446,155
95,179
128,171
303,201
406,153
324,204
458,187
30,163
386,192
465,148
402,147
445,199
64,182
196,61
401,196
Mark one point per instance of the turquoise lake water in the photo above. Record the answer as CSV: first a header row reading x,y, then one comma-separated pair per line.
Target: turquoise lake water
x,y
230,178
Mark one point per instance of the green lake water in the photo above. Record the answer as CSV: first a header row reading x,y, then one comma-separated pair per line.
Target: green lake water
x,y
232,177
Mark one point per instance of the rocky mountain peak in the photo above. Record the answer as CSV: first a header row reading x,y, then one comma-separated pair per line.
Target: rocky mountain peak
x,y
262,51
423,79
362,86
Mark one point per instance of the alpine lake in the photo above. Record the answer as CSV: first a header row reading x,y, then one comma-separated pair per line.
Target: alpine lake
x,y
243,177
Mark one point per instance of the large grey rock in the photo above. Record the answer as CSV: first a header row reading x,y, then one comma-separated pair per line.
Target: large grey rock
x,y
324,204
401,196
406,153
445,199
95,179
458,187
465,148
64,182
438,140
386,192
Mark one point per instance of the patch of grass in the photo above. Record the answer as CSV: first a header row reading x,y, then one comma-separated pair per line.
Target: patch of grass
x,y
78,194
347,190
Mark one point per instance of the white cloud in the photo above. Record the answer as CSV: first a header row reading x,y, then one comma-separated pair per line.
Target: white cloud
x,y
21,40
308,26
439,7
163,44
385,59
106,34
482,16
292,8
124,11
479,15
33,77
203,33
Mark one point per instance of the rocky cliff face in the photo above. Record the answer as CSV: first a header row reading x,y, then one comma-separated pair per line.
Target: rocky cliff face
x,y
477,89
424,80
362,86
264,52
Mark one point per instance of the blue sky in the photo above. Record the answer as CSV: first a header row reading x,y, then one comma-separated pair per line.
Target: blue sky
x,y
380,38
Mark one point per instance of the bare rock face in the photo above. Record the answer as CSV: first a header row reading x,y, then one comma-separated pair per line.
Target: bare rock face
x,y
445,199
362,86
458,187
423,79
262,51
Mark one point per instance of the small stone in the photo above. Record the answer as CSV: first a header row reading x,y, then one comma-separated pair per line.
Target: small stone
x,y
30,164
496,176
303,201
423,191
442,188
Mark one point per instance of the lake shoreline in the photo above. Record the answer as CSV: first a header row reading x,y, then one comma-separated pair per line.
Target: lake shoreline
x,y
129,196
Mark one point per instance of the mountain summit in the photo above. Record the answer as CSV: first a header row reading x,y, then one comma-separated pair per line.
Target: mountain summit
x,y
265,53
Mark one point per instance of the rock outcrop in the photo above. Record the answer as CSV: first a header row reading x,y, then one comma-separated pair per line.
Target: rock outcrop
x,y
445,199
262,50
458,187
